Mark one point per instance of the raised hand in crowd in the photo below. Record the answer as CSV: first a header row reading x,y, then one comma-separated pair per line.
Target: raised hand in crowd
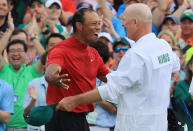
x,y
160,11
181,9
108,26
176,77
5,39
33,93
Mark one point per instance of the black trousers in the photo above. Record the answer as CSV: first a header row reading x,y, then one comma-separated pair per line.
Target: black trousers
x,y
68,121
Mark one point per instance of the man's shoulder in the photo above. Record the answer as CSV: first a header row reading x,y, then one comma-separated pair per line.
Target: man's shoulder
x,y
182,83
37,80
6,85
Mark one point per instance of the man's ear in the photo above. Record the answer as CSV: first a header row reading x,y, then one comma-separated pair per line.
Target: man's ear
x,y
79,26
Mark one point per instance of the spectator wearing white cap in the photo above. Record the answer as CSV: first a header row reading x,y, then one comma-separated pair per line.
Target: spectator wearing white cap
x,y
107,39
54,10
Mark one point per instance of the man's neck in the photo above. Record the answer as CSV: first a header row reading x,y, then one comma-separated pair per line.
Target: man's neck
x,y
79,37
2,20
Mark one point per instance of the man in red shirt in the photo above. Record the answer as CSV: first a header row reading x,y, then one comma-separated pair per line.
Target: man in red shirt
x,y
82,63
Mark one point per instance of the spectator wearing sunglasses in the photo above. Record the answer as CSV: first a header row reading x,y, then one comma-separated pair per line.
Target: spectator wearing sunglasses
x,y
120,47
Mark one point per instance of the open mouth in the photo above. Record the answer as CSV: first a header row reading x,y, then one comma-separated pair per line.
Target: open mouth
x,y
96,34
15,59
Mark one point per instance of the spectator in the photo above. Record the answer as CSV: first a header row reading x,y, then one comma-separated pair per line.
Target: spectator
x,y
104,115
3,17
6,103
54,11
181,92
53,39
17,73
39,22
82,63
172,23
168,36
21,74
186,21
37,88
84,5
119,47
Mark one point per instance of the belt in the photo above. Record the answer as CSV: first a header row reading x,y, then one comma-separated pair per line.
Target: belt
x,y
92,125
99,126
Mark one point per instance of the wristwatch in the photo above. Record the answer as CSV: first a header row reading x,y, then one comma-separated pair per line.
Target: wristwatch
x,y
46,32
34,37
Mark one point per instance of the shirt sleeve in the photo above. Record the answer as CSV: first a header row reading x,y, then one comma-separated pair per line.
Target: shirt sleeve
x,y
55,55
8,100
176,64
129,74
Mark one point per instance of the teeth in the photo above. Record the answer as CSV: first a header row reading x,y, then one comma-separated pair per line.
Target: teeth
x,y
96,33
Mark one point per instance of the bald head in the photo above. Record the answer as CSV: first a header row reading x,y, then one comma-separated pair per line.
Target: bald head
x,y
137,20
139,11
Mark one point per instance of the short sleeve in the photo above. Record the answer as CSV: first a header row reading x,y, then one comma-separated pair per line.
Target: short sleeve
x,y
7,101
55,55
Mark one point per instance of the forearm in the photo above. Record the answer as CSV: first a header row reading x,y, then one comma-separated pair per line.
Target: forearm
x,y
158,17
191,5
159,13
105,9
31,105
115,35
5,39
39,47
179,11
88,97
64,17
4,116
108,106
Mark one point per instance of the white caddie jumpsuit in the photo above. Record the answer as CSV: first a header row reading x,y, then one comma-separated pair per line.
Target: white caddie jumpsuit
x,y
141,85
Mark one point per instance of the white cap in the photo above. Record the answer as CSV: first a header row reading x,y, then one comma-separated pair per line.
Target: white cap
x,y
51,2
106,35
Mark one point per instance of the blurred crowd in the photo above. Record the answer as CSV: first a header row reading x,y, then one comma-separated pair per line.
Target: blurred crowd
x,y
30,28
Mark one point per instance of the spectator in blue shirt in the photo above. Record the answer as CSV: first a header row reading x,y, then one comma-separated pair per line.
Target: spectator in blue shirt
x,y
6,103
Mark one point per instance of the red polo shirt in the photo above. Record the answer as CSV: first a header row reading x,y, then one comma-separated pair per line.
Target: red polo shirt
x,y
82,63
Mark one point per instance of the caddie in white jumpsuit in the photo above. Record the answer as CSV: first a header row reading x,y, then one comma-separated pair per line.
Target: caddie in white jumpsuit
x,y
141,85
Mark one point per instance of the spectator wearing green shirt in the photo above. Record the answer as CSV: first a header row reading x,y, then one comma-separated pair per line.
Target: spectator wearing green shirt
x,y
17,73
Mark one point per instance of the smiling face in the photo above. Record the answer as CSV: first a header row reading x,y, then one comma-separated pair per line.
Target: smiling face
x,y
187,26
170,25
90,28
54,12
16,55
167,38
37,8
3,8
